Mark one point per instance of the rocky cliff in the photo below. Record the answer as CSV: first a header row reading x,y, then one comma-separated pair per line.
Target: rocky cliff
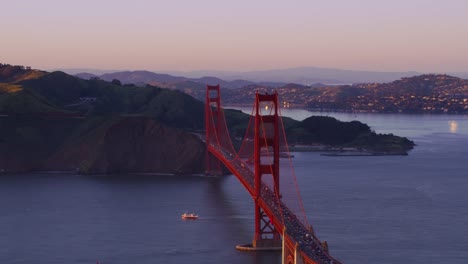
x,y
115,145
133,144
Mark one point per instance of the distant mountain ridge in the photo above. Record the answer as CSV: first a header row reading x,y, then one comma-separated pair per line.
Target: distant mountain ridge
x,y
170,81
310,75
306,75
275,77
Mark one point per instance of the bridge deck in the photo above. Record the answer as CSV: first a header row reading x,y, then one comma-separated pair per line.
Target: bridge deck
x,y
280,215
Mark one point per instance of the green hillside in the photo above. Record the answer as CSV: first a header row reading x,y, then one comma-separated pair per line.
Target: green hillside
x,y
60,92
25,101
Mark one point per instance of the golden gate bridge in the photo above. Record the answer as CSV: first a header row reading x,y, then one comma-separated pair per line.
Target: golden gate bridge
x,y
280,220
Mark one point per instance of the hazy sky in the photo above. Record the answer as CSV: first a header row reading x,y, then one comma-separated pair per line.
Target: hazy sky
x,y
382,35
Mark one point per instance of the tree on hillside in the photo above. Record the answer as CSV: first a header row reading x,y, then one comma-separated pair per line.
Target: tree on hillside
x,y
116,82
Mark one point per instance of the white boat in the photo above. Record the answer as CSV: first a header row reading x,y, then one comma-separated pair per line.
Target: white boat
x,y
189,216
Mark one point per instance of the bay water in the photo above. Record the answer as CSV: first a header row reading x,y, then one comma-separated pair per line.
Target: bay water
x,y
383,209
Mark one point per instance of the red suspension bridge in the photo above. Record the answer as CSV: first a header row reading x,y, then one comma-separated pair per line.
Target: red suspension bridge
x,y
280,220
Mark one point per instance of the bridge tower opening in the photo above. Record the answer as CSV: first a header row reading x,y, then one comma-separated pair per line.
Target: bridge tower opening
x,y
266,163
212,127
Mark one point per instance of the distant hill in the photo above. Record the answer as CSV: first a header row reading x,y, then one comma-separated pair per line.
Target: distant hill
x,y
428,93
272,78
304,75
141,77
74,71
300,75
163,80
85,75
463,75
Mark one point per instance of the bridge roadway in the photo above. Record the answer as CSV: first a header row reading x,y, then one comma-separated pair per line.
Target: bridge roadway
x,y
278,212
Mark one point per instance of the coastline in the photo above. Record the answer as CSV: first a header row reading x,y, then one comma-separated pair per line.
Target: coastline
x,y
334,151
76,173
364,154
354,111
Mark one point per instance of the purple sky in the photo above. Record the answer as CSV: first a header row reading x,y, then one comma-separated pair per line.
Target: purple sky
x,y
397,35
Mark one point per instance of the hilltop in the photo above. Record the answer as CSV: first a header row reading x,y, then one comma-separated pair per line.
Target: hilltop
x,y
55,121
16,73
429,93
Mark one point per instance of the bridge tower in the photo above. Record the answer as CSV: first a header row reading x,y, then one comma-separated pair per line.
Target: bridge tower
x,y
212,127
266,140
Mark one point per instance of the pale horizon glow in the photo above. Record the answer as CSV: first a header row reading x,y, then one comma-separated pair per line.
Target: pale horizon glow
x,y
410,35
